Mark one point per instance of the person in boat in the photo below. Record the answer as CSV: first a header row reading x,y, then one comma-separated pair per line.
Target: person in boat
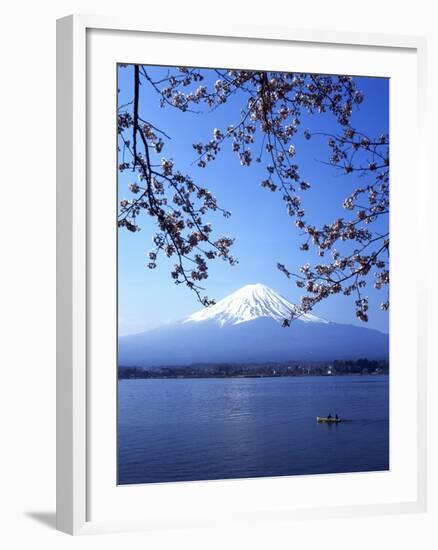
x,y
329,416
336,416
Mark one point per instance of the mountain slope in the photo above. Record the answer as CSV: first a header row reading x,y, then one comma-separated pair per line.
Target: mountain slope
x,y
246,327
248,303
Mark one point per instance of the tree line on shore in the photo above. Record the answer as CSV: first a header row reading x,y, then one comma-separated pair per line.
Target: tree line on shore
x,y
361,366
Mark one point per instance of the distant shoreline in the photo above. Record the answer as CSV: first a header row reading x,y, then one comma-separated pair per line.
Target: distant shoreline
x,y
270,370
217,377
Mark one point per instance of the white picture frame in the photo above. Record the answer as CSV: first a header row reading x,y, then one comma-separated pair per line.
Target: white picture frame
x,y
76,393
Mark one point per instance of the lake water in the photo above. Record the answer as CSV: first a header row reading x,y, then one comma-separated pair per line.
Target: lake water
x,y
185,429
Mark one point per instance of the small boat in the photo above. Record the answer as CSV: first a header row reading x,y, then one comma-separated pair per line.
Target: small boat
x,y
328,420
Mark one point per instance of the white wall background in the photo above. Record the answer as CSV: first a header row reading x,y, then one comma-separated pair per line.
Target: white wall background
x,y
27,305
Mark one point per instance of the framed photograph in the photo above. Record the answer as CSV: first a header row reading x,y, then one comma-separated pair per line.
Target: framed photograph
x,y
239,335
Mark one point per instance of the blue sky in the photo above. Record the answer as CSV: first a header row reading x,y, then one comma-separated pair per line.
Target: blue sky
x,y
264,233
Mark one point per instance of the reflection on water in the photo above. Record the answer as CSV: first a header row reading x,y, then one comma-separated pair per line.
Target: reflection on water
x,y
180,430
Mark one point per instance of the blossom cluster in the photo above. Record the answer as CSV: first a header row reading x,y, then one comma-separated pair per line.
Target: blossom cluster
x,y
355,155
176,202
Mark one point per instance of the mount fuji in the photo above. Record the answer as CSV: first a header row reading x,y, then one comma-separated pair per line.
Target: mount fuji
x,y
249,303
246,326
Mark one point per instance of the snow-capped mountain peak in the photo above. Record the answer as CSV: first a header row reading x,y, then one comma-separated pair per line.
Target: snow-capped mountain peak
x,y
248,303
245,327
